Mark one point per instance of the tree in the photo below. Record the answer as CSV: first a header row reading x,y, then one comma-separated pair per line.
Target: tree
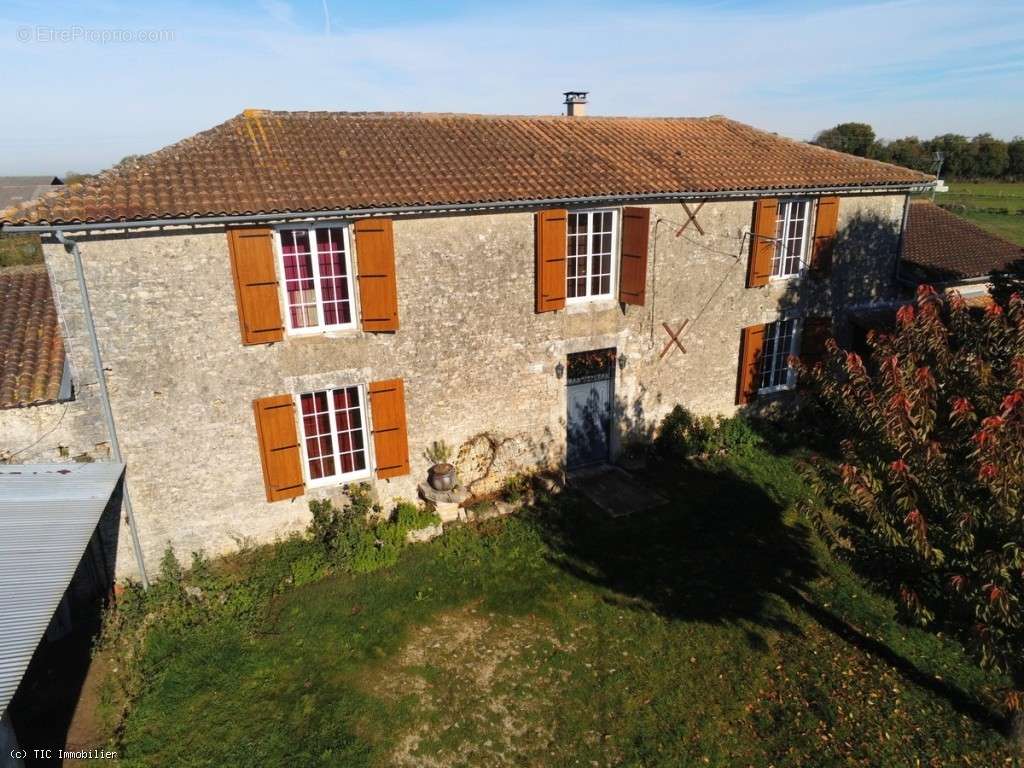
x,y
931,484
991,157
852,138
910,153
1015,153
956,149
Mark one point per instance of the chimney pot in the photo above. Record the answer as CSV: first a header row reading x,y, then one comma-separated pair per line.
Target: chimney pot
x,y
575,103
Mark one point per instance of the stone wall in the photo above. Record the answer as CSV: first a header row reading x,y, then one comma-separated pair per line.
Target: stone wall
x,y
475,358
54,432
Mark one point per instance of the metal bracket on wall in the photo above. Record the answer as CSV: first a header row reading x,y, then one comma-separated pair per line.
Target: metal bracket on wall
x,y
673,338
691,218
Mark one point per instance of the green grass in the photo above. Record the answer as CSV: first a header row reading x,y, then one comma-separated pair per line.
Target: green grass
x,y
996,206
716,631
985,194
1010,227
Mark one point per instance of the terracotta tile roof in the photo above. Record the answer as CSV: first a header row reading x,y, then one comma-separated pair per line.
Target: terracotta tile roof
x,y
273,162
943,247
31,345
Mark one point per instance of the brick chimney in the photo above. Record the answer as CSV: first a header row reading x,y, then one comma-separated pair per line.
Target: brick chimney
x,y
576,103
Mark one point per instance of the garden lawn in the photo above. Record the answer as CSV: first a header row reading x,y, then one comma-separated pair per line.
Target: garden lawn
x,y
715,631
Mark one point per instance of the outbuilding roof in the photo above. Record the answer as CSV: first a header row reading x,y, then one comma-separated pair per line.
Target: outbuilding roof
x,y
942,247
263,162
48,513
31,344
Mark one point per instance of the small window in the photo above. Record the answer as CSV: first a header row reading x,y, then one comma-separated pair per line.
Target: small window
x,y
590,262
792,232
781,340
334,435
317,270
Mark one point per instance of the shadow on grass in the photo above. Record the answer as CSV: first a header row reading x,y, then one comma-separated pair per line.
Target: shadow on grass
x,y
717,552
960,700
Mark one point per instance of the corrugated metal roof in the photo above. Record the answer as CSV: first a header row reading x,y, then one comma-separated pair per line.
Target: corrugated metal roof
x,y
48,513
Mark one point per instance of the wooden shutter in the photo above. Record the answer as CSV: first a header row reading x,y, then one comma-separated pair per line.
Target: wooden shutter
x,y
751,347
636,228
762,242
378,288
825,225
252,266
390,438
816,331
279,446
550,233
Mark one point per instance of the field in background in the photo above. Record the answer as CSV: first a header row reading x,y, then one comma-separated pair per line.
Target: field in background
x,y
997,206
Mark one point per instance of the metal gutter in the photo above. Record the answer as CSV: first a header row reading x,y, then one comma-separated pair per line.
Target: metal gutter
x,y
506,205
911,282
108,415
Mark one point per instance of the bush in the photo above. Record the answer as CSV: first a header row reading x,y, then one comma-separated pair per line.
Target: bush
x,y
335,529
516,488
684,435
931,483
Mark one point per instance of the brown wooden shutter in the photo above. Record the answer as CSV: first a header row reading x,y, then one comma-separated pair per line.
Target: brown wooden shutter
x,y
279,446
252,266
550,233
826,223
378,288
636,228
390,438
762,242
751,347
816,331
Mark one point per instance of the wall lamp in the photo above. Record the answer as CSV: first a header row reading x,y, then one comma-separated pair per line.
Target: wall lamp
x,y
559,370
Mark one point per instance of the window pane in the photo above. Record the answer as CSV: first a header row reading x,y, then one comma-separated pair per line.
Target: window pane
x,y
298,278
576,257
348,418
790,232
316,428
331,258
778,345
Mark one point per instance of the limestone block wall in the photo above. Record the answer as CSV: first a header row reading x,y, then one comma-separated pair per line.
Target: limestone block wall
x,y
475,358
54,432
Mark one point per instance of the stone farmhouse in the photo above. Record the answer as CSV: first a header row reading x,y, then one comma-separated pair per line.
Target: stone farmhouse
x,y
290,302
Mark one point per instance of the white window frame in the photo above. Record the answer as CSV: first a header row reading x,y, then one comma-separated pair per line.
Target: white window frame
x,y
808,236
339,478
794,351
320,327
613,275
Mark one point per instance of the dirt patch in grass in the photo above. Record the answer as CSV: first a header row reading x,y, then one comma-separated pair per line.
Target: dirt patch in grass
x,y
485,689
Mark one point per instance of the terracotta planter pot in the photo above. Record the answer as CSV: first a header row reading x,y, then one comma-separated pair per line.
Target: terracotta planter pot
x,y
442,477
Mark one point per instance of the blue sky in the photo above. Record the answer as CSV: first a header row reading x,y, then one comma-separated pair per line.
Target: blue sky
x,y
909,67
